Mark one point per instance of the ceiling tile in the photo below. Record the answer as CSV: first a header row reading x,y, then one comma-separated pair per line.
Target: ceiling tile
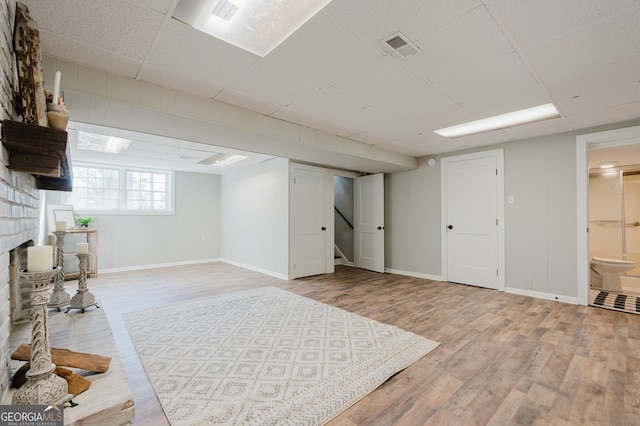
x,y
597,99
464,43
161,6
319,107
116,26
533,22
444,117
507,99
587,48
378,19
70,50
189,60
376,125
273,83
389,85
546,127
504,73
601,77
324,50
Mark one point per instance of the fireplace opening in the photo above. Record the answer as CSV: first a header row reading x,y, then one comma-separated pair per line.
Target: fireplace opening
x,y
20,289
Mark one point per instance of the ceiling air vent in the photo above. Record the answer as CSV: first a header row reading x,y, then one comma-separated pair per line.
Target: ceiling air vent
x,y
400,45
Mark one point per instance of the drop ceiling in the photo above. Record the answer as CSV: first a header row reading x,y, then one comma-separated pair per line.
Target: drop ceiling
x,y
337,74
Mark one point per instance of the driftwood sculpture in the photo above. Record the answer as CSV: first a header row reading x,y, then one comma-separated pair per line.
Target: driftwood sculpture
x,y
32,104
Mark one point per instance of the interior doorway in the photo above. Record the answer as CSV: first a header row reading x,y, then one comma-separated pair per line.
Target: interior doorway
x,y
335,212
343,220
584,144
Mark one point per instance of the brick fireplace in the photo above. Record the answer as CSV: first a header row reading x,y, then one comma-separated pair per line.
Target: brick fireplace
x,y
19,201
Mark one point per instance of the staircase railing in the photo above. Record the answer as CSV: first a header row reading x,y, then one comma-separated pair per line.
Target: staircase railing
x,y
342,216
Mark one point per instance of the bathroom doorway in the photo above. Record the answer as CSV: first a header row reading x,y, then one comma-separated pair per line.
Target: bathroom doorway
x,y
614,219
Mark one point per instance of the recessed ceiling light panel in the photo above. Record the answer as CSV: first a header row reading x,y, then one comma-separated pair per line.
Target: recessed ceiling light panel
x,y
257,26
222,160
102,143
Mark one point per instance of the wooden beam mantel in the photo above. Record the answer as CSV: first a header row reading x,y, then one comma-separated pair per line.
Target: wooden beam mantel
x,y
41,151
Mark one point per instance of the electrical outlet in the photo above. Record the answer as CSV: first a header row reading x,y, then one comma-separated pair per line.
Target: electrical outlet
x,y
203,237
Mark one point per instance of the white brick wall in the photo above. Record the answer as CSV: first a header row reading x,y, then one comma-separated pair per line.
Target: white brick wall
x,y
19,199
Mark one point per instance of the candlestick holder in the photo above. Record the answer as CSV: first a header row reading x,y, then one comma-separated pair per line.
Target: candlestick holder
x,y
59,297
83,297
42,386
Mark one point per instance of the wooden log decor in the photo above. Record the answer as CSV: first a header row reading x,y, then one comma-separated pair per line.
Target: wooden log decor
x,y
76,384
26,44
42,151
67,358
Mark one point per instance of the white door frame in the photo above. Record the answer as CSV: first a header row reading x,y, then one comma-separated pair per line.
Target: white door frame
x,y
615,137
499,154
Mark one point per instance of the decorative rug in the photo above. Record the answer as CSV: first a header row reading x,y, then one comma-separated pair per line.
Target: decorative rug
x,y
618,302
266,357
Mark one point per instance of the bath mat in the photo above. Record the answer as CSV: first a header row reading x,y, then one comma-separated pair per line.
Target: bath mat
x,y
266,357
618,302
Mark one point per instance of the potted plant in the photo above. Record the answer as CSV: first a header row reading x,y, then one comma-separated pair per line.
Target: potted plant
x,y
84,221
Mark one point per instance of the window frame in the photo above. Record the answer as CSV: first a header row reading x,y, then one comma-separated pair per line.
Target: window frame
x,y
123,191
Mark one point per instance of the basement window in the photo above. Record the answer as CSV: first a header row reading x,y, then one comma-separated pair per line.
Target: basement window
x,y
118,190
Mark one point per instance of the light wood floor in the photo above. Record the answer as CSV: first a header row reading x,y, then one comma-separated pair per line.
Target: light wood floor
x,y
503,358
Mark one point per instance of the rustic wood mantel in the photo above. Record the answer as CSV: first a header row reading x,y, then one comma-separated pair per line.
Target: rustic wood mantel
x,y
41,151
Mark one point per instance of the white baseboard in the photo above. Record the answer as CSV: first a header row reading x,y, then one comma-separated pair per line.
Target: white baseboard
x,y
522,292
541,295
157,265
256,269
414,274
193,262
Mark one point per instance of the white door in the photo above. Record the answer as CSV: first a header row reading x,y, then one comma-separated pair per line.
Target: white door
x,y
470,216
310,227
369,226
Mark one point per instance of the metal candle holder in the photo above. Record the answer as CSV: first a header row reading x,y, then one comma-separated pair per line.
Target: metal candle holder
x,y
59,297
83,297
43,387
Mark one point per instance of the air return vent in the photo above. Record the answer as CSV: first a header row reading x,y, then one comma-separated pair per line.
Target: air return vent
x,y
400,45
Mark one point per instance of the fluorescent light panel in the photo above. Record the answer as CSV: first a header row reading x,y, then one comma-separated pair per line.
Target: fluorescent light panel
x,y
102,143
222,160
257,26
511,119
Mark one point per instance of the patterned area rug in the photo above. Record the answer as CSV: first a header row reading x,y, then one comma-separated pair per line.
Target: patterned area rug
x,y
266,357
618,302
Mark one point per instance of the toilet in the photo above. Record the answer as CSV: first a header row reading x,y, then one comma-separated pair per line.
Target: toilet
x,y
605,273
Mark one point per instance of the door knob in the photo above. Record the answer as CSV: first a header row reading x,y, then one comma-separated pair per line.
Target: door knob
x,y
324,228
379,228
450,226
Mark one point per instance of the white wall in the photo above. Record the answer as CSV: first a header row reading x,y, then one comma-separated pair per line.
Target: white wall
x,y
412,221
134,241
540,227
254,206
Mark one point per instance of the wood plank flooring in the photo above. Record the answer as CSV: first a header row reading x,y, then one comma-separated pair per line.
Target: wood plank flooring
x,y
503,359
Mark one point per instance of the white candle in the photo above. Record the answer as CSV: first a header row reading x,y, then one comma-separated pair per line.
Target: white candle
x,y
56,88
61,226
83,248
39,258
